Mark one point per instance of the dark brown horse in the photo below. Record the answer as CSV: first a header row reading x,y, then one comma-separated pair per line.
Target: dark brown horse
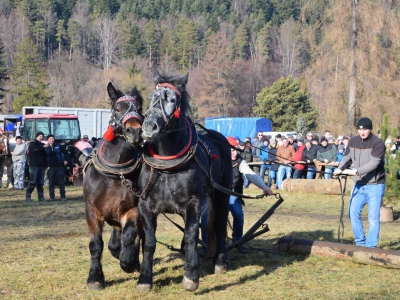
x,y
110,185
180,167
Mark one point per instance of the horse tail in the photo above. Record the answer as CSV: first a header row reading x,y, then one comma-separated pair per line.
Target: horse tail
x,y
211,236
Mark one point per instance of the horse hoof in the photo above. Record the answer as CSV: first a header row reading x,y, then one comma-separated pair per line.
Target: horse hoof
x,y
189,284
220,269
95,286
142,287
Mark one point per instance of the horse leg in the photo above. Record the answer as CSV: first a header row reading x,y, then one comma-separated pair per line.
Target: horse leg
x,y
221,207
190,280
114,245
129,256
95,280
149,223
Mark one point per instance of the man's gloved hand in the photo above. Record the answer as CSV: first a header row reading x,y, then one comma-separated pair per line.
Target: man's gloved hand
x,y
337,172
267,191
351,172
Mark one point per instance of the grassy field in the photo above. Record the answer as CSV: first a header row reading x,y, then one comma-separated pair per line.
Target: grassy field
x,y
44,255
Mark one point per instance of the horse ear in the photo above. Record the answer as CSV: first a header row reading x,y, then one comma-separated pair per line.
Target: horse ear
x,y
112,92
157,77
185,79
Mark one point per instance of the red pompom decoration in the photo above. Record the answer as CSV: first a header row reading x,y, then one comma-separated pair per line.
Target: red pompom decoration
x,y
214,156
109,134
177,113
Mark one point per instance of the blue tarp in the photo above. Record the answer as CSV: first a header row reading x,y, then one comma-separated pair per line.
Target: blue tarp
x,y
241,127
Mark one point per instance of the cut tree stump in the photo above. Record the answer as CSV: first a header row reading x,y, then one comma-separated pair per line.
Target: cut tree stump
x,y
358,254
386,214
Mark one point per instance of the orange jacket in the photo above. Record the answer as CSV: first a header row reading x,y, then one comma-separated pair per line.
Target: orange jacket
x,y
285,153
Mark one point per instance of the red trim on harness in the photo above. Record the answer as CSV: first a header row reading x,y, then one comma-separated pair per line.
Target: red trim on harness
x,y
168,85
110,163
125,98
176,155
131,115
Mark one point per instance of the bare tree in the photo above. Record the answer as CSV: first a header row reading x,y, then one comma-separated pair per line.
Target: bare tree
x,y
353,68
106,30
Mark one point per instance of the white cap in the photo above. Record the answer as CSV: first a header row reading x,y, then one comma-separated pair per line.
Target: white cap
x,y
340,137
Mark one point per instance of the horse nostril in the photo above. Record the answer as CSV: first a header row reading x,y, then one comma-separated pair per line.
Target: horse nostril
x,y
155,127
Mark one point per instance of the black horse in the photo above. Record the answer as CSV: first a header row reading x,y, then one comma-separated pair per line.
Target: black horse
x,y
180,165
110,187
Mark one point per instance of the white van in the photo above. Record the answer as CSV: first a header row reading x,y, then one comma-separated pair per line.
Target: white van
x,y
272,134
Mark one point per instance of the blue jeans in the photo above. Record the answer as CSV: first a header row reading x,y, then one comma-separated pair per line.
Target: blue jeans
x,y
328,173
271,175
370,194
236,210
310,172
264,168
246,182
282,171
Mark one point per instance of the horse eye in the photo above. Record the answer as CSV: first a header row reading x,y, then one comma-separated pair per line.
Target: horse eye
x,y
172,100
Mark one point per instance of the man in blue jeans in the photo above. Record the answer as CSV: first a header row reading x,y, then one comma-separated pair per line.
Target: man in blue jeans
x,y
365,153
240,168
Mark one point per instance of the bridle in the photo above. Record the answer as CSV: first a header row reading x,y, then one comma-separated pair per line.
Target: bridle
x,y
117,121
161,111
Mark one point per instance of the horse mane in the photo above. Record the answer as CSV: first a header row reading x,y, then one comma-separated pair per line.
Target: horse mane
x,y
180,83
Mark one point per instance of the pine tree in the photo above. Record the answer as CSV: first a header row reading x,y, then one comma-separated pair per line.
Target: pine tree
x,y
29,83
282,102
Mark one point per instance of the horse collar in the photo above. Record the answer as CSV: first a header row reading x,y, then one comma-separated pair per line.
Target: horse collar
x,y
176,161
112,169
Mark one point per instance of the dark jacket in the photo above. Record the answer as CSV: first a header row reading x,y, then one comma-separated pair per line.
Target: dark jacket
x,y
367,157
272,157
37,155
309,154
328,152
247,155
238,181
60,153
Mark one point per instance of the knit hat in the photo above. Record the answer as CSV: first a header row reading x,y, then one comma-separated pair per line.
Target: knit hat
x,y
49,136
340,147
330,138
364,123
340,137
314,140
307,141
232,141
39,133
323,139
300,141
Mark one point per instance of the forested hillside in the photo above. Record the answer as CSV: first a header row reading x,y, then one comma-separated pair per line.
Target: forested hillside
x,y
335,60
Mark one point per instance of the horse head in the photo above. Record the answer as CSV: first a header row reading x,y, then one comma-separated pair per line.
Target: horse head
x,y
126,117
168,105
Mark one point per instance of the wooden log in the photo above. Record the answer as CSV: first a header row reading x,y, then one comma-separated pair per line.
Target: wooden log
x,y
315,186
358,254
386,214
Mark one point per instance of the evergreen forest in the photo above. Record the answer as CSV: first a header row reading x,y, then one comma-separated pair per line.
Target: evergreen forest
x,y
318,63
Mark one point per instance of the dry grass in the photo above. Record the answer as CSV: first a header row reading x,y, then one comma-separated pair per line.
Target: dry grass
x,y
44,255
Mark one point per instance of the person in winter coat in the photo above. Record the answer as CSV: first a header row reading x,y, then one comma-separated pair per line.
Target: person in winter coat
x,y
327,154
365,154
273,170
309,154
57,158
298,157
264,158
240,168
19,159
285,155
37,164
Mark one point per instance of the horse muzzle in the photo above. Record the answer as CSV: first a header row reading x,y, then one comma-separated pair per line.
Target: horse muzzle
x,y
149,129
